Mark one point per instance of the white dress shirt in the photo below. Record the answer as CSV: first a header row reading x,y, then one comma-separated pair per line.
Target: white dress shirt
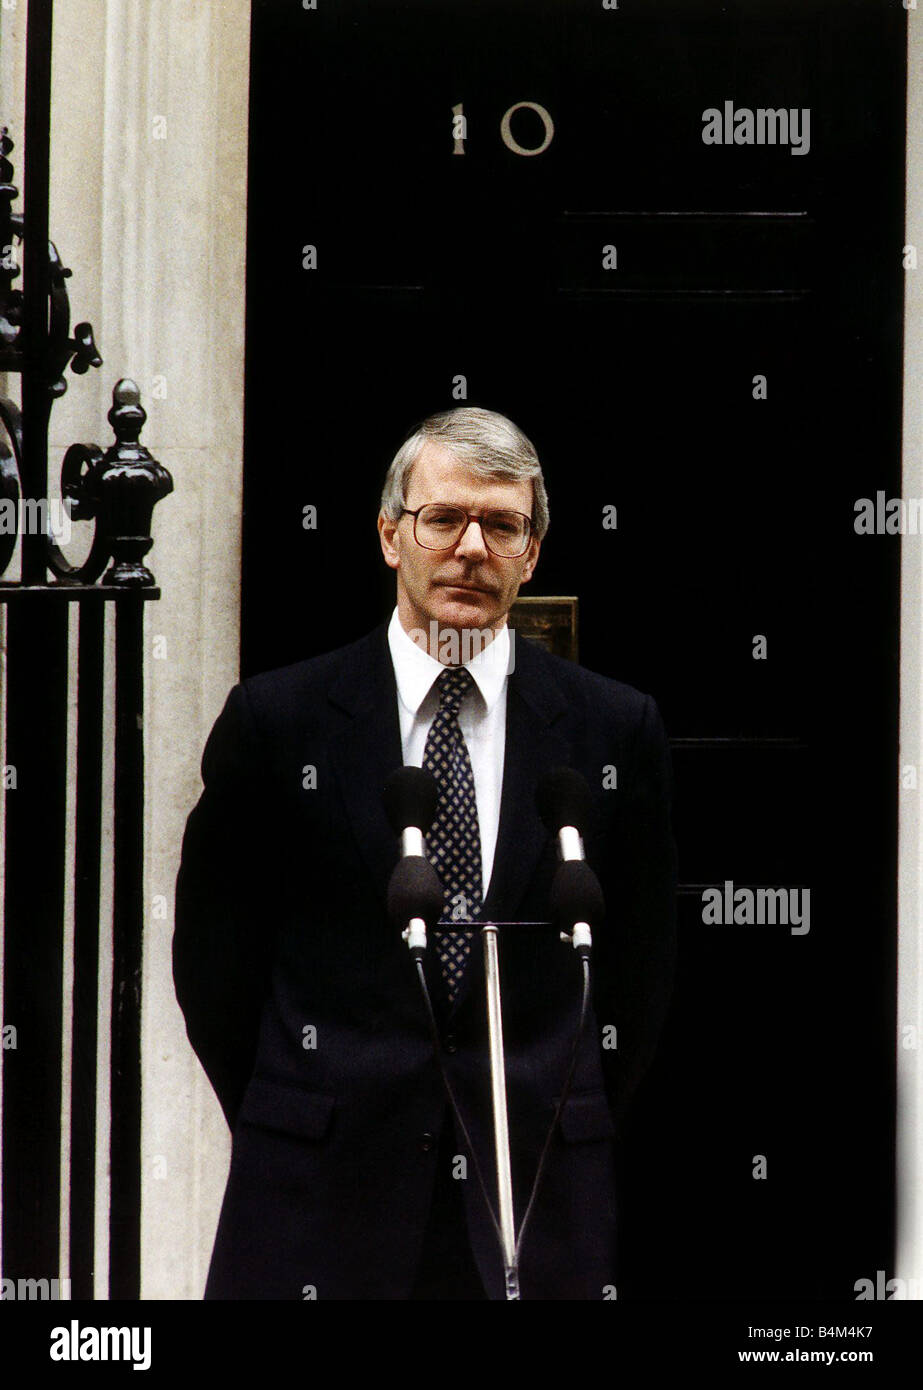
x,y
481,717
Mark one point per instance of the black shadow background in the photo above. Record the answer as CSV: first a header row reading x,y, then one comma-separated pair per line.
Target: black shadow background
x,y
735,516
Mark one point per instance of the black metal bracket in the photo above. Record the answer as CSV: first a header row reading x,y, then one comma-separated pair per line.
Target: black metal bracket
x,y
119,488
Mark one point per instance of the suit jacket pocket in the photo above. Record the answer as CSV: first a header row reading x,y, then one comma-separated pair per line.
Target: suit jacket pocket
x,y
279,1106
585,1117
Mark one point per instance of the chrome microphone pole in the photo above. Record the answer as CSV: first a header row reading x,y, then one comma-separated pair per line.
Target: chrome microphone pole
x,y
501,1120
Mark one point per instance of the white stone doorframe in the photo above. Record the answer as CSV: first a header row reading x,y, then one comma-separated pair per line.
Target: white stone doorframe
x,y
148,208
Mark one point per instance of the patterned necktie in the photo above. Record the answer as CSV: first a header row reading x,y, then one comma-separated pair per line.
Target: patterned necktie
x,y
454,840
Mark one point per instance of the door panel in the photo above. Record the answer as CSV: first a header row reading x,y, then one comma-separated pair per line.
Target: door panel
x,y
735,513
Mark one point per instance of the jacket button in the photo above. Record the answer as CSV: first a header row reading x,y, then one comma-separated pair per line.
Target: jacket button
x,y
449,1043
427,1143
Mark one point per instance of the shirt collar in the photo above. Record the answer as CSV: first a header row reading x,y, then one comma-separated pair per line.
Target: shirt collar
x,y
416,671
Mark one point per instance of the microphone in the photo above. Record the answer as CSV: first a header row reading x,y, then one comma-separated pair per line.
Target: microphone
x,y
565,804
415,893
410,799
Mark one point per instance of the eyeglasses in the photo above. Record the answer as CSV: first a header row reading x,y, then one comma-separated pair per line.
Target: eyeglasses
x,y
439,527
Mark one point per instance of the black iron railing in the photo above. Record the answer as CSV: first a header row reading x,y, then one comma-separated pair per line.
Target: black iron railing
x,y
117,489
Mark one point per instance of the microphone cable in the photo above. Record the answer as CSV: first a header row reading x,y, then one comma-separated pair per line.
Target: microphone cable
x,y
437,1043
562,1101
581,1025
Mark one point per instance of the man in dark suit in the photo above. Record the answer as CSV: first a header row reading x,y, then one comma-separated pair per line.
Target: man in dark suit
x,y
348,1177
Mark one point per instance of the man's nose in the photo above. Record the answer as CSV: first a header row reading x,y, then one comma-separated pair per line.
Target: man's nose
x,y
471,542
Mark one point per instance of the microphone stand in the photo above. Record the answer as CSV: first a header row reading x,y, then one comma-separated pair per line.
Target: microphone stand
x,y
504,1220
415,896
581,939
501,1117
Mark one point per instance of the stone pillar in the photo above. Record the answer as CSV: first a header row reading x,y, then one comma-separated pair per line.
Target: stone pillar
x,y
149,161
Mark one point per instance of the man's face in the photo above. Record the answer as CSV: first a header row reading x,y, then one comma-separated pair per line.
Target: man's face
x,y
466,586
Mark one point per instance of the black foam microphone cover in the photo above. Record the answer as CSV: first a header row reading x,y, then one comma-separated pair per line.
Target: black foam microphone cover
x,y
576,895
563,798
410,797
415,890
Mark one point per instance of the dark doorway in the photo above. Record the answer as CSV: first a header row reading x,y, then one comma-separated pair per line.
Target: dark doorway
x,y
735,503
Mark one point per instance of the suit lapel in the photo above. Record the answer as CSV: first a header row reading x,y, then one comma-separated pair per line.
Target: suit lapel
x,y
367,749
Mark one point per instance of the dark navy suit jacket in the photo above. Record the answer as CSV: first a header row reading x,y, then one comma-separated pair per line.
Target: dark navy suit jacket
x,y
301,1001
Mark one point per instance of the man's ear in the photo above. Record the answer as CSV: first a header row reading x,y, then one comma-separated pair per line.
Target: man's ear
x,y
390,541
535,546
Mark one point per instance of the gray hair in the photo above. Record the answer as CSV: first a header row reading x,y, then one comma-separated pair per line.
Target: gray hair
x,y
489,443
